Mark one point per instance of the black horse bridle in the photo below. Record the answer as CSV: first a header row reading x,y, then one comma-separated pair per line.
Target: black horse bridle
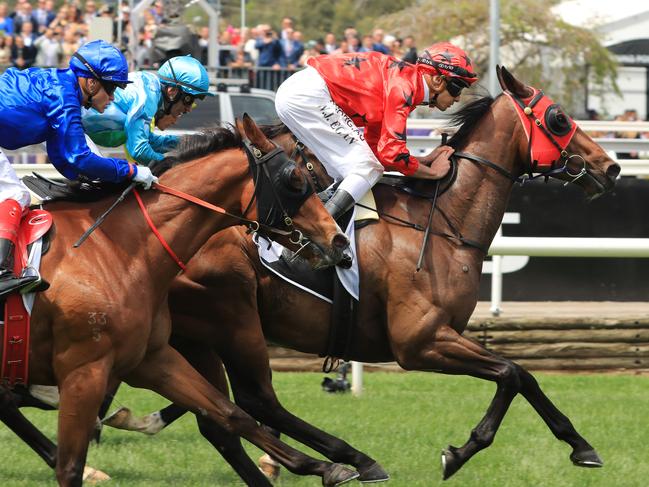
x,y
276,201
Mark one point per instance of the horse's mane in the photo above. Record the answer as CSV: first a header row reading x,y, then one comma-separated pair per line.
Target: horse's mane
x,y
467,118
210,140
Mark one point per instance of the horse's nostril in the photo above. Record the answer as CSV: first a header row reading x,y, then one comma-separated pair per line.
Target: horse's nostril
x,y
340,241
613,171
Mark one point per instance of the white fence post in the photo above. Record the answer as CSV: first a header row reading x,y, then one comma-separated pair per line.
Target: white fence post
x,y
357,378
496,283
497,267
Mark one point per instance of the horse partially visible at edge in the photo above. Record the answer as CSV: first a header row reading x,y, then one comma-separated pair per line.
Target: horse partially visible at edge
x,y
105,317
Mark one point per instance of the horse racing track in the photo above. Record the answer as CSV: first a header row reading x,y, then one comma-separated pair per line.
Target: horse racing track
x,y
403,420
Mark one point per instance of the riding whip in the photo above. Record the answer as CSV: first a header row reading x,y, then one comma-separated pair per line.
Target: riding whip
x,y
101,219
430,217
427,232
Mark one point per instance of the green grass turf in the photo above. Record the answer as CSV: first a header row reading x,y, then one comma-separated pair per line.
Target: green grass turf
x,y
403,421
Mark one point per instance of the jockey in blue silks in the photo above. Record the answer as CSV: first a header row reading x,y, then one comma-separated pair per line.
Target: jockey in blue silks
x,y
44,105
151,98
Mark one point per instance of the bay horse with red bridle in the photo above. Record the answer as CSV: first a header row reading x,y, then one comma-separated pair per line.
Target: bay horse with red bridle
x,y
415,318
105,317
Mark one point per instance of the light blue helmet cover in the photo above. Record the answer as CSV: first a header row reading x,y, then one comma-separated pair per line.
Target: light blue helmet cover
x,y
100,60
186,73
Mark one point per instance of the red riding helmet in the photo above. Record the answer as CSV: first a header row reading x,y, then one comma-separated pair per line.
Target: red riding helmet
x,y
448,60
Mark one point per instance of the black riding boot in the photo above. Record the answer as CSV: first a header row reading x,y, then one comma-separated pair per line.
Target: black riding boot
x,y
8,281
339,204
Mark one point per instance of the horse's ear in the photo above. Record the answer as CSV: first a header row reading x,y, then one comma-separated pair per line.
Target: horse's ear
x,y
239,125
499,74
509,82
256,136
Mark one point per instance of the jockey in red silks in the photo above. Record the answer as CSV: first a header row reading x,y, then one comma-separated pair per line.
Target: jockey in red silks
x,y
325,104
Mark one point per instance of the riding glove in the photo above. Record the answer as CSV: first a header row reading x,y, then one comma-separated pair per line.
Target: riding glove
x,y
144,176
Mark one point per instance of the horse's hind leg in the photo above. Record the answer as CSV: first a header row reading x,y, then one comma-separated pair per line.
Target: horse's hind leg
x,y
451,353
166,372
24,429
583,454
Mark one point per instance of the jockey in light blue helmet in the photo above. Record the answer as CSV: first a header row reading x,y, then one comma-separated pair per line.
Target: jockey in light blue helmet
x,y
130,119
187,80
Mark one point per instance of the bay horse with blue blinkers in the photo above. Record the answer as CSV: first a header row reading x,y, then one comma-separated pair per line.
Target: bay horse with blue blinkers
x,y
105,317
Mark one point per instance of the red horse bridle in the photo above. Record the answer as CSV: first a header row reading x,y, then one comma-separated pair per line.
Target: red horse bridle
x,y
549,131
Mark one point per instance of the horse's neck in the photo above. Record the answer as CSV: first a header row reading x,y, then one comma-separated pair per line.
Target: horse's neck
x,y
477,201
187,226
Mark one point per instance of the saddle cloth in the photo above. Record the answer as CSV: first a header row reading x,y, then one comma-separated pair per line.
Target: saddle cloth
x,y
18,307
319,283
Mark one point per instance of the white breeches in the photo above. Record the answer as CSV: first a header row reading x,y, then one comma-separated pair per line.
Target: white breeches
x,y
304,104
11,187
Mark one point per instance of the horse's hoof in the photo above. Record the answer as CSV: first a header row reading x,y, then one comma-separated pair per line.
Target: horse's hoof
x,y
94,476
586,458
269,467
451,462
338,474
119,419
373,474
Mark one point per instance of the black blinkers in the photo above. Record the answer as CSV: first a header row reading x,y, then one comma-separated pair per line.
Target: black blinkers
x,y
278,194
556,121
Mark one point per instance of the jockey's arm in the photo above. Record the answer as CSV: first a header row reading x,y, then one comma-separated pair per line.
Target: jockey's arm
x,y
391,147
138,140
70,154
163,143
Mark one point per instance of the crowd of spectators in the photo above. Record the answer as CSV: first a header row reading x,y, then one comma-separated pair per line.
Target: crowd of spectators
x,y
36,33
264,47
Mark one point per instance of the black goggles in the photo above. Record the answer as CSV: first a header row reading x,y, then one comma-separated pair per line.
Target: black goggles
x,y
454,86
110,87
189,99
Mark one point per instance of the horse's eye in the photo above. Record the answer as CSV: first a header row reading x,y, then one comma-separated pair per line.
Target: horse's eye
x,y
293,179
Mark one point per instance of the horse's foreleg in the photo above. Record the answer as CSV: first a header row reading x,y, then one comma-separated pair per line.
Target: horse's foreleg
x,y
583,454
166,372
204,360
24,429
250,376
82,391
451,353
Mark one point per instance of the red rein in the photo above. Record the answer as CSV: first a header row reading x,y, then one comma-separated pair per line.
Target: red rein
x,y
179,194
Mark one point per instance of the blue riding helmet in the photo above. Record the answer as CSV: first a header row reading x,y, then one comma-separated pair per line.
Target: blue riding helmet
x,y
186,73
101,61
